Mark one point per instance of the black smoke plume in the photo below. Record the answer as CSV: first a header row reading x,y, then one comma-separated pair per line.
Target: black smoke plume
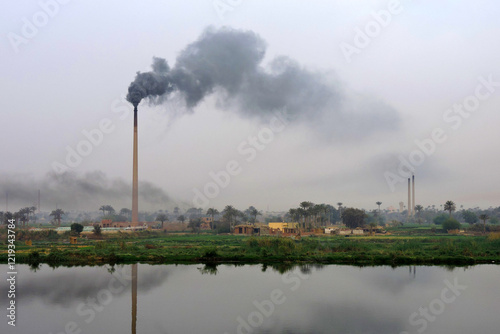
x,y
229,62
71,191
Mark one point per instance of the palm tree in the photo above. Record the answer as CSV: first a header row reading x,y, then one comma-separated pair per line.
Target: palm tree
x,y
7,215
162,217
57,214
314,212
125,212
305,206
24,215
302,213
103,209
484,217
379,204
340,208
329,212
372,225
418,208
294,214
212,212
449,206
230,214
325,213
110,209
253,212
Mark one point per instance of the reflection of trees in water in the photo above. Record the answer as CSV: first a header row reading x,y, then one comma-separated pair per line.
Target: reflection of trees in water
x,y
283,268
35,266
451,267
209,268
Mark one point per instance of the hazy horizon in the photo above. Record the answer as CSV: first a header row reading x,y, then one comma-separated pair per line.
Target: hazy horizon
x,y
275,103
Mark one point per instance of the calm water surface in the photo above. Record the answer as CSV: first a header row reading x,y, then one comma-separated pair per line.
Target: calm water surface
x,y
191,299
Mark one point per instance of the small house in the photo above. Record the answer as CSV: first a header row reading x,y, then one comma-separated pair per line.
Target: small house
x,y
243,229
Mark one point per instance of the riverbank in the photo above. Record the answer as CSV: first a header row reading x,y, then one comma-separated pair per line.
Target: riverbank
x,y
157,248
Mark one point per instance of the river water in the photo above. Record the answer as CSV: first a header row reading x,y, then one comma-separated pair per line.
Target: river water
x,y
191,299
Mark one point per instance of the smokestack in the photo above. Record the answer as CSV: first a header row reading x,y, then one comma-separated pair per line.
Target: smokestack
x,y
409,198
413,197
135,186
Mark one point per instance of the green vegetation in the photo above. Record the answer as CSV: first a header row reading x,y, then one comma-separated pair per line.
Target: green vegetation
x,y
440,219
76,228
405,245
451,224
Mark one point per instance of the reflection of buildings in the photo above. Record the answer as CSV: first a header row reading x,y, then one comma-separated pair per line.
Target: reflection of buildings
x,y
134,298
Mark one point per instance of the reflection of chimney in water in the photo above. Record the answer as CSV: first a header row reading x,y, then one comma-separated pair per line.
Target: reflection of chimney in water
x,y
134,298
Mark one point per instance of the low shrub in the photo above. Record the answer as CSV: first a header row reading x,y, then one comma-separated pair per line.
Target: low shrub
x,y
451,224
494,236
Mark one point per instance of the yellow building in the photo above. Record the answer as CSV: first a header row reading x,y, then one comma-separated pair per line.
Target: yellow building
x,y
281,226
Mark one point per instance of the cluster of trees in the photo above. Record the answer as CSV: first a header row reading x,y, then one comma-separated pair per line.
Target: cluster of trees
x,y
449,222
27,214
225,220
433,213
23,216
310,215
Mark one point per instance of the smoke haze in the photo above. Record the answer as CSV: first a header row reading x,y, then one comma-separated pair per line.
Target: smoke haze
x,y
71,191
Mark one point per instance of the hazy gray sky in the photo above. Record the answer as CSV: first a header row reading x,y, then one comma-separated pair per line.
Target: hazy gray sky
x,y
361,82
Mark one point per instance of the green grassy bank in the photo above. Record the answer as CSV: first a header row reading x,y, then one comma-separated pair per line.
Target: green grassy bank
x,y
154,247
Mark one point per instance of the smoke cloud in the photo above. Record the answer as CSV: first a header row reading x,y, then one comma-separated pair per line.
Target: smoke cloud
x,y
228,62
71,191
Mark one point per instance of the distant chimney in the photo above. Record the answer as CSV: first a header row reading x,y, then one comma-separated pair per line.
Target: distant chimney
x,y
409,198
413,196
